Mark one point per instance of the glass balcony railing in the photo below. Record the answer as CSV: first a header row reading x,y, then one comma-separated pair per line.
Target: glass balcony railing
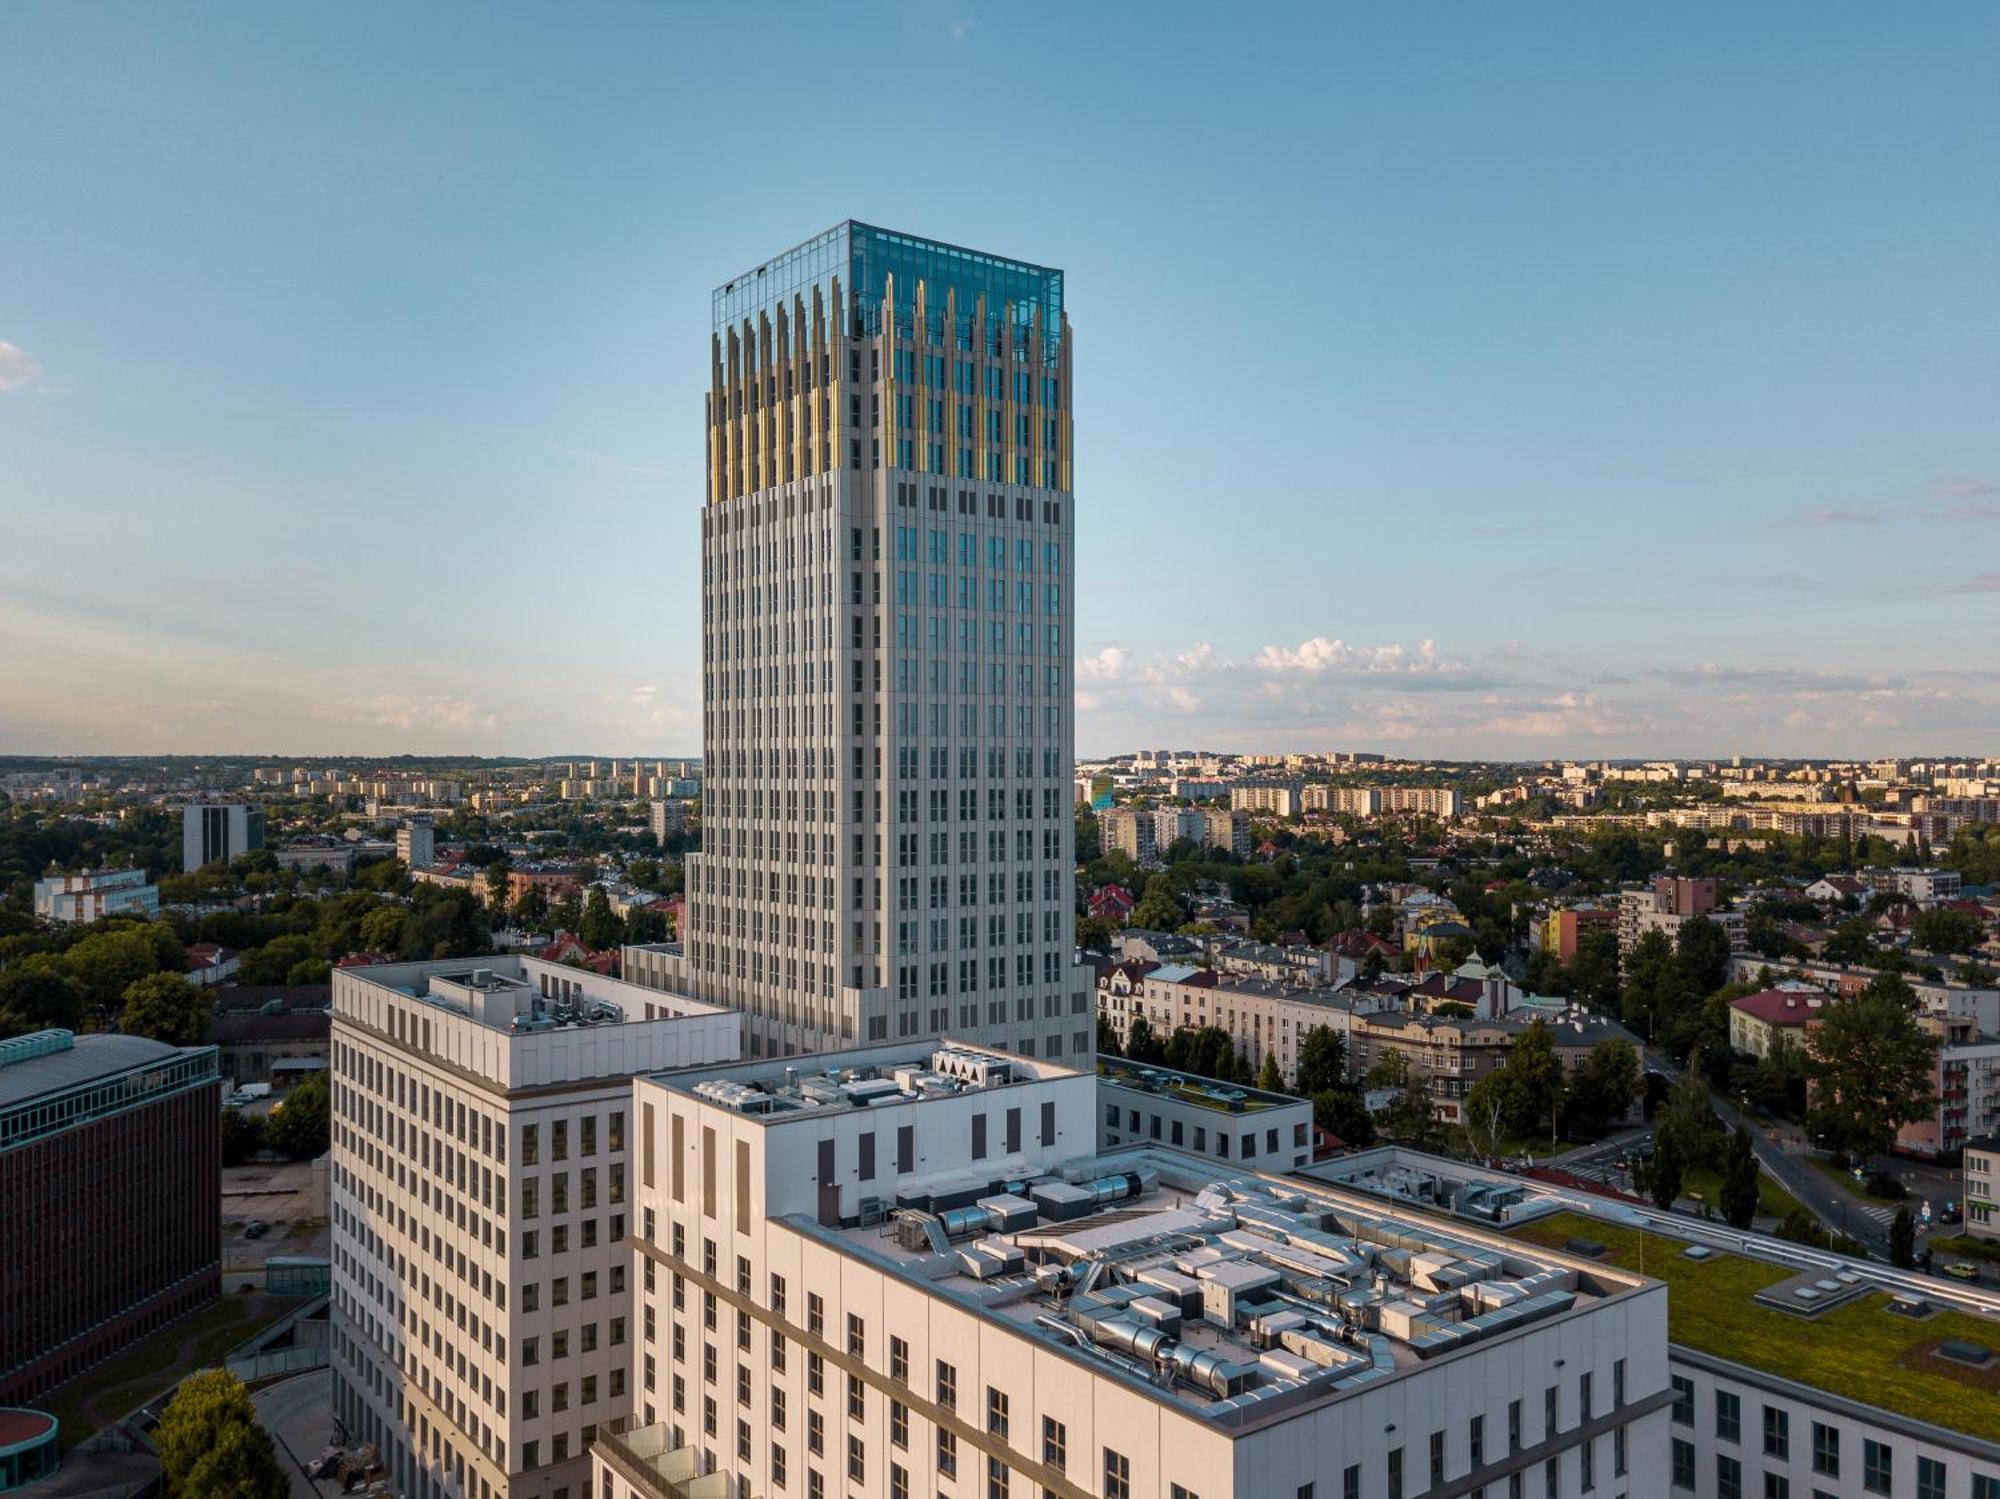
x,y
643,1456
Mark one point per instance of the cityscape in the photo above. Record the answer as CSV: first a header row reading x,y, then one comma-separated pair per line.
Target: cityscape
x,y
985,1017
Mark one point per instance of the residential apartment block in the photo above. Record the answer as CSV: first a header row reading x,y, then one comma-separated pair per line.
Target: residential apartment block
x,y
1982,1187
911,1270
1667,905
481,1199
94,893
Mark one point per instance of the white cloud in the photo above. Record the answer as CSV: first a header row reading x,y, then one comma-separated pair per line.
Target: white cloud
x,y
18,368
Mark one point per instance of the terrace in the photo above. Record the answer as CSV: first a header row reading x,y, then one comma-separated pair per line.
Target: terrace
x,y
1858,1349
1188,1087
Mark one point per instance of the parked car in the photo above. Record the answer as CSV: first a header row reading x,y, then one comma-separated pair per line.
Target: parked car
x,y
256,1228
1961,1270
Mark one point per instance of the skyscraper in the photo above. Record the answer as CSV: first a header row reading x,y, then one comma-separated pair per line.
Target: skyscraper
x,y
887,596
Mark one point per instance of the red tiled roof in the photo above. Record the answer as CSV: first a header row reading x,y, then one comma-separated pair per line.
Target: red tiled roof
x,y
1779,1006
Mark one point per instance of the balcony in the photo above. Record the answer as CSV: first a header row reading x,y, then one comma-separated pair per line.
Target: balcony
x,y
641,1456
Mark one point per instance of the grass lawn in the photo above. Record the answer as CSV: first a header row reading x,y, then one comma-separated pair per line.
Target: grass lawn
x,y
1772,1200
1858,1350
151,1365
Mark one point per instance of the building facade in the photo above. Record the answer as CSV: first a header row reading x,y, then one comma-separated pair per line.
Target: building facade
x,y
481,1316
416,843
910,1270
84,897
215,832
887,597
110,1193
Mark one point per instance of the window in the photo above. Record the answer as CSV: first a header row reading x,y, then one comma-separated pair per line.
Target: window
x,y
1728,1477
857,1459
1513,1426
1728,1416
815,1313
1117,1475
1477,1439
1395,1473
1350,1482
1587,1463
1777,1432
1683,1464
1055,1443
1878,1466
857,1337
1985,1486
1826,1449
899,1360
1777,1486
947,1452
1437,1458
996,1412
1930,1478
947,1386
899,1424
1683,1401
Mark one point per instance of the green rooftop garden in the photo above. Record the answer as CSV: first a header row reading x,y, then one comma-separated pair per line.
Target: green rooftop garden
x,y
1859,1350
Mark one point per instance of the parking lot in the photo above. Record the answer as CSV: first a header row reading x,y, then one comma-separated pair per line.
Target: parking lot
x,y
283,1198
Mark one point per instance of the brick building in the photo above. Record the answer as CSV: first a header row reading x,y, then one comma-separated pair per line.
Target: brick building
x,y
110,1187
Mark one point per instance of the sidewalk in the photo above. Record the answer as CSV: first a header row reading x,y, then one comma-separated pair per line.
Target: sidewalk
x,y
298,1413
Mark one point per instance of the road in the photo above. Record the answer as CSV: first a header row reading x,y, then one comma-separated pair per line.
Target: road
x,y
298,1413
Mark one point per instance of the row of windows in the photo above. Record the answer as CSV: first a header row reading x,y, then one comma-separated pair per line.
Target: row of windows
x,y
1878,1459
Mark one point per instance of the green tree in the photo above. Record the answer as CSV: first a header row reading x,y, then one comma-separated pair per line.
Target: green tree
x,y
1107,1037
1340,1112
1701,959
301,1122
1390,1070
1739,1181
168,1008
1649,984
1486,1116
1593,973
1607,1084
1903,1239
599,928
1322,1061
381,930
38,997
1665,1172
210,1445
1536,1087
1269,1078
1159,909
1853,941
1689,1121
1942,929
275,961
1141,1045
242,1136
1412,1117
1870,1067
109,963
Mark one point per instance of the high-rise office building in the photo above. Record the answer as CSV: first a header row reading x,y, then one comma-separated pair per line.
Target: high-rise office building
x,y
887,595
217,831
480,1308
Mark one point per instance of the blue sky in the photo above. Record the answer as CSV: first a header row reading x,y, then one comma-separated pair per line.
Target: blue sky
x,y
1452,379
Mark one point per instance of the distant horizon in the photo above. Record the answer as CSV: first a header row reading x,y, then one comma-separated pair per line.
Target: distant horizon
x,y
1395,756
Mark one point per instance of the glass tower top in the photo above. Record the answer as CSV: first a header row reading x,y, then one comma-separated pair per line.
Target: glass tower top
x,y
864,257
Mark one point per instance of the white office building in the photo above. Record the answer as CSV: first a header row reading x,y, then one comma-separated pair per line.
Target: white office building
x,y
1795,1373
481,1201
94,893
910,1270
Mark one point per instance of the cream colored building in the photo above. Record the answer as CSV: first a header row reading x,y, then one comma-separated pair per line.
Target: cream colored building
x,y
481,1200
910,1271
